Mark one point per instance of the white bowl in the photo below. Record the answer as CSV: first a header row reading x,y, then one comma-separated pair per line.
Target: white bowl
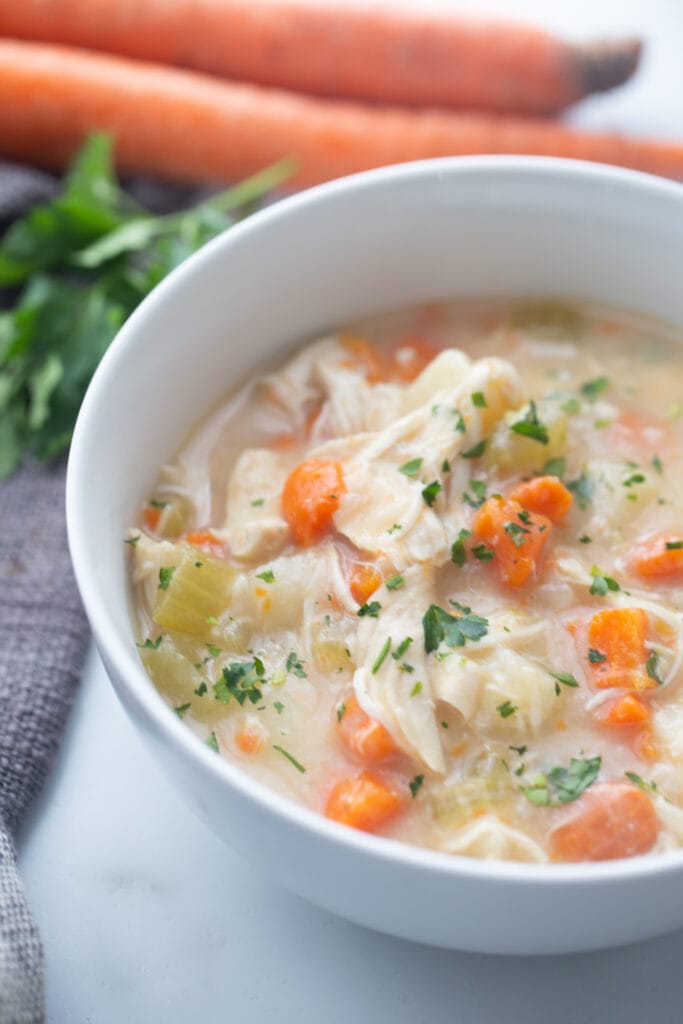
x,y
486,226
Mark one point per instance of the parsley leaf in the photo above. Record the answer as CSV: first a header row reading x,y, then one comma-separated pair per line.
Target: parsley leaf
x,y
295,666
602,584
453,630
595,657
516,533
415,785
212,742
476,451
151,645
592,388
290,757
648,787
430,492
583,488
268,576
506,709
555,467
479,399
565,678
458,552
530,426
482,553
478,488
395,582
182,709
165,576
674,545
372,609
651,666
411,468
241,680
563,785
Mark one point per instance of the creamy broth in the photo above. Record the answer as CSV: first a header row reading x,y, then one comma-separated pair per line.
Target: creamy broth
x,y
427,578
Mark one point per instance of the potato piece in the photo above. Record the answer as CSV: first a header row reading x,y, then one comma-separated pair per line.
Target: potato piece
x,y
514,453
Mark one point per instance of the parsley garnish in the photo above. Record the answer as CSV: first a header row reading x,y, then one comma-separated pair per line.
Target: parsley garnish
x,y
241,680
602,584
555,467
294,666
595,657
563,785
453,630
651,666
483,553
583,489
268,576
279,706
460,427
213,650
257,502
674,545
649,787
506,709
445,466
290,757
212,741
565,678
516,533
530,426
165,576
518,750
402,648
151,645
634,478
341,711
372,609
415,785
182,709
201,689
386,647
585,539
657,464
411,468
572,406
479,399
458,552
417,689
592,388
476,451
478,488
132,540
394,582
430,492
395,527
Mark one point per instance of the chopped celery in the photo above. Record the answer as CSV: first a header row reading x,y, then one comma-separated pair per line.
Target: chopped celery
x,y
331,656
485,789
176,678
196,594
173,517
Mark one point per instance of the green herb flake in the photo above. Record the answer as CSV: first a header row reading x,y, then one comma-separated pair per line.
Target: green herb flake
x,y
482,553
395,582
479,399
517,534
563,785
279,706
151,645
395,528
674,545
478,496
402,648
290,757
257,502
445,466
565,678
592,388
212,742
634,478
430,492
460,427
555,467
182,710
415,785
458,552
201,690
583,489
658,464
295,666
572,406
268,576
132,540
242,681
648,787
518,750
596,657
213,650
341,711
411,468
165,576
476,451
652,668
454,630
506,709
585,539
386,647
530,426
602,584
417,689
372,610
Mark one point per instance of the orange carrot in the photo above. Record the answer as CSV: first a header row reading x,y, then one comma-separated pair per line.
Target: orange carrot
x,y
515,536
544,495
249,740
364,581
411,356
151,515
617,652
207,541
182,125
362,801
660,558
363,356
609,821
310,498
626,710
334,50
364,736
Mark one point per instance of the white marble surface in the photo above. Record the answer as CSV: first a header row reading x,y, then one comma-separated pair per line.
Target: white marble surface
x,y
146,916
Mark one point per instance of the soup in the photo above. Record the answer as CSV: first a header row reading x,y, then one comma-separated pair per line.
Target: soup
x,y
426,578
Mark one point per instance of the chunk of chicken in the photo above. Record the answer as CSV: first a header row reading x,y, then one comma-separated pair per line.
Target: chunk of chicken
x,y
488,838
254,527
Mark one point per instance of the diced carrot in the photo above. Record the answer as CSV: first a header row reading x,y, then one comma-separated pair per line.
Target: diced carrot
x,y
618,635
608,821
151,517
645,746
625,710
516,537
362,355
207,541
544,495
411,356
363,735
362,801
248,740
659,558
310,498
364,581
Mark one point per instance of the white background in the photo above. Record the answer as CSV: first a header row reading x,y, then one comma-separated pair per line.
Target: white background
x,y
147,917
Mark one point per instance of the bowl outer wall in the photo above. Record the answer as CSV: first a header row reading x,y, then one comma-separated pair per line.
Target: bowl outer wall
x,y
491,226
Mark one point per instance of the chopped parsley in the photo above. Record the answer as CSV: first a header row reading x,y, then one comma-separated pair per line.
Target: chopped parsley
x,y
583,489
165,576
518,750
279,706
294,666
460,427
445,466
555,467
648,787
132,540
213,650
458,552
651,666
411,468
151,645
633,479
517,534
563,785
395,582
257,502
530,426
415,785
395,527
657,464
182,709
155,503
268,576
674,545
506,709
595,657
201,690
479,399
386,647
241,680
417,689
402,648
572,406
372,609
585,539
430,492
592,388
602,584
290,757
454,630
341,711
565,678
483,553
478,488
212,741
476,451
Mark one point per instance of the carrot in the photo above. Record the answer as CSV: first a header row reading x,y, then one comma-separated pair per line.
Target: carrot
x,y
150,517
207,541
363,356
617,652
248,740
660,558
364,736
626,710
310,498
515,536
544,495
609,821
336,50
182,125
362,801
364,581
411,356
